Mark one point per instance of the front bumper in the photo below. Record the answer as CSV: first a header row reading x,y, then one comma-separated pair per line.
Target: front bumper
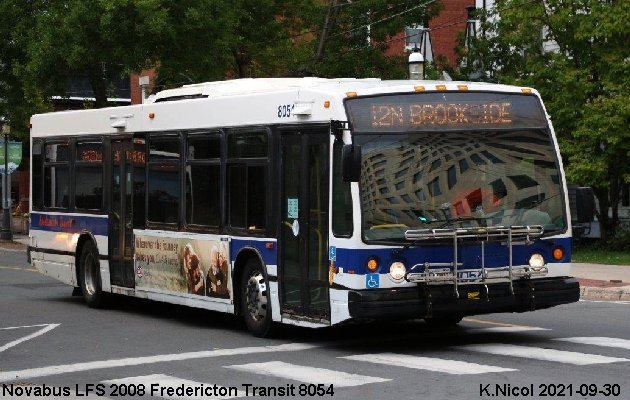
x,y
435,300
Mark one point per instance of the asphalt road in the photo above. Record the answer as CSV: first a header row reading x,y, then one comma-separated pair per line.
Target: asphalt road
x,y
48,337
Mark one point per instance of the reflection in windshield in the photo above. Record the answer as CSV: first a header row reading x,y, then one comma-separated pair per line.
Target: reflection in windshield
x,y
460,179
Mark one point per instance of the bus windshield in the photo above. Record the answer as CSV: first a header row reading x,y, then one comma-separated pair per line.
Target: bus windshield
x,y
458,180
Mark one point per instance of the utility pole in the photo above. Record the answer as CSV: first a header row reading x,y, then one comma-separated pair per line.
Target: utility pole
x,y
6,233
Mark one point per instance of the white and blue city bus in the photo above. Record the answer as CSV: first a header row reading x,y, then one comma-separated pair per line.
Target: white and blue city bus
x,y
310,202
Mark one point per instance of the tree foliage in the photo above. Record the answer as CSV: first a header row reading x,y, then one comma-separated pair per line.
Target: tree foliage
x,y
45,43
576,54
19,98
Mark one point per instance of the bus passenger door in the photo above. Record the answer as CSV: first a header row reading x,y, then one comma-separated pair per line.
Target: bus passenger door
x,y
120,214
303,264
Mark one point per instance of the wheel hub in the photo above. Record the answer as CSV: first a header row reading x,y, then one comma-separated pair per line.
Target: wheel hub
x,y
88,276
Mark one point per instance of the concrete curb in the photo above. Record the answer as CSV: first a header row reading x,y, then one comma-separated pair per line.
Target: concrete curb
x,y
608,294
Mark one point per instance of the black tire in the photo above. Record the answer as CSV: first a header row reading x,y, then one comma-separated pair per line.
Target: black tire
x,y
256,300
90,276
444,321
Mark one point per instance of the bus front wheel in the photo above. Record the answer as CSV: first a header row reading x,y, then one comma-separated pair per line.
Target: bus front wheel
x,y
90,276
255,300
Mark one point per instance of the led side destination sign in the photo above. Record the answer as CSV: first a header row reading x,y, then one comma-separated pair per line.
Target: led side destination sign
x,y
451,111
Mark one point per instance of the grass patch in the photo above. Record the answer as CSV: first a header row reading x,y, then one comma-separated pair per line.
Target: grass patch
x,y
600,256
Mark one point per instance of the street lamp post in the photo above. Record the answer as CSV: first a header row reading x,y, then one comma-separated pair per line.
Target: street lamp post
x,y
6,233
416,65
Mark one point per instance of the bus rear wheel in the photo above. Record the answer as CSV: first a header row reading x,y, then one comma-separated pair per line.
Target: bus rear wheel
x,y
90,276
255,300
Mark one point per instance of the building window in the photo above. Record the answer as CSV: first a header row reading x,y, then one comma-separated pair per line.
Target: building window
x,y
413,37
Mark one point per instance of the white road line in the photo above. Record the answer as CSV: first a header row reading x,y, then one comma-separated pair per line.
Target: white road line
x,y
25,326
539,353
158,385
46,328
427,363
307,374
124,362
506,329
599,341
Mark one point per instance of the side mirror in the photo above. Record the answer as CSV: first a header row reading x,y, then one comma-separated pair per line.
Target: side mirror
x,y
351,162
584,205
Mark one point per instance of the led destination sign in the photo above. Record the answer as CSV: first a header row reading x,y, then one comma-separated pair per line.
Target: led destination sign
x,y
420,115
444,111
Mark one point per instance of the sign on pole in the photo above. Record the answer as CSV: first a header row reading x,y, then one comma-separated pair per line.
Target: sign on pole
x,y
15,156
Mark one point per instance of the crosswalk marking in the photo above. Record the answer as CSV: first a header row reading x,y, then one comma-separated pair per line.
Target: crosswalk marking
x,y
427,363
180,388
599,341
307,374
538,353
126,362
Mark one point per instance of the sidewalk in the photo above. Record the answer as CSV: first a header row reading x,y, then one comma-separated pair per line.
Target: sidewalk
x,y
597,281
603,282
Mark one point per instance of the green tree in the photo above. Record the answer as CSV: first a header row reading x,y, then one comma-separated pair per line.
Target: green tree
x,y
101,41
201,40
263,38
18,98
576,54
352,38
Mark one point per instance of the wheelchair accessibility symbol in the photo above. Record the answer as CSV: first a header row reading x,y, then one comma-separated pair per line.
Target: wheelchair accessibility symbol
x,y
371,281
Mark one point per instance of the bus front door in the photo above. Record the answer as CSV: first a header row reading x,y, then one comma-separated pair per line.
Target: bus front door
x,y
303,264
120,215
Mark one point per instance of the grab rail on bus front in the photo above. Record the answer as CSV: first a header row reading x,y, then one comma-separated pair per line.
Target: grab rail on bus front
x,y
512,233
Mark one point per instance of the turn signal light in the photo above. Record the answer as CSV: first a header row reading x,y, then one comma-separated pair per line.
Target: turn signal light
x,y
372,264
558,253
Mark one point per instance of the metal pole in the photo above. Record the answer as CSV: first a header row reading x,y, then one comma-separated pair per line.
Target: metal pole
x,y
6,233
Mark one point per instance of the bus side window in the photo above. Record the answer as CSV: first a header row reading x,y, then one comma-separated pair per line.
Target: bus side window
x,y
341,197
56,176
139,181
203,180
164,185
88,170
37,161
247,180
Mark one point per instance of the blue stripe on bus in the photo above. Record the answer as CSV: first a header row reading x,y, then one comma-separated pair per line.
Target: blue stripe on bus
x,y
269,256
496,255
69,223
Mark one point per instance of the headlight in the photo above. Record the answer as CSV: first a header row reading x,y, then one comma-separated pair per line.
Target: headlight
x,y
536,260
397,271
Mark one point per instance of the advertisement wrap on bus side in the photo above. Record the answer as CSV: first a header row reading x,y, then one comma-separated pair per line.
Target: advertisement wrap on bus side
x,y
183,265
